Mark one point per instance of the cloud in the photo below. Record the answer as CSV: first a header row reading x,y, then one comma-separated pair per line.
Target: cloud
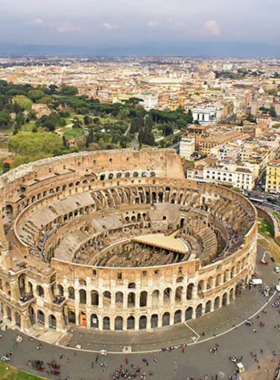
x,y
106,25
36,21
212,28
153,24
66,27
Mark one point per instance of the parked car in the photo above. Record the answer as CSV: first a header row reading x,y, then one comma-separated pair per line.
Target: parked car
x,y
277,269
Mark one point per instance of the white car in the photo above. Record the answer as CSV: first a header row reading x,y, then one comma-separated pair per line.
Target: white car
x,y
277,269
277,287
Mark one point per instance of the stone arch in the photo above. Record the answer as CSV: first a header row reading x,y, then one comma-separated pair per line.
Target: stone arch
x,y
208,307
60,290
32,316
178,294
143,322
217,303
118,323
130,323
94,298
167,295
106,298
71,317
178,316
52,322
166,319
17,319
41,317
82,296
143,299
154,321
9,313
190,291
218,280
231,295
131,299
198,311
225,299
40,291
189,314
71,293
210,283
119,298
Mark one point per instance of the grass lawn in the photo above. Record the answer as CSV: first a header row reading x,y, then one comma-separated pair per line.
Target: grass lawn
x,y
11,373
265,228
70,133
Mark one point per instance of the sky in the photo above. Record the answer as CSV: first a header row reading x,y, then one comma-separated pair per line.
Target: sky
x,y
117,23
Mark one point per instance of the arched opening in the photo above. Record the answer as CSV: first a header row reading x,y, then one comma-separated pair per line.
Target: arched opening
x,y
32,315
200,289
83,296
189,314
224,300
94,321
106,298
167,295
130,323
131,300
208,307
52,322
155,297
119,298
180,279
118,323
210,283
178,316
178,294
41,317
143,299
40,291
9,313
106,323
83,319
71,317
154,321
198,311
60,290
190,291
217,303
17,319
21,284
131,285
143,322
231,295
166,319
71,293
94,298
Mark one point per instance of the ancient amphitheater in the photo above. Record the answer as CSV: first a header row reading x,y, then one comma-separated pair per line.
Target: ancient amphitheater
x,y
119,240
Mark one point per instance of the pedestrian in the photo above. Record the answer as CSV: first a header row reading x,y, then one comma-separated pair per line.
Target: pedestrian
x,y
126,361
92,364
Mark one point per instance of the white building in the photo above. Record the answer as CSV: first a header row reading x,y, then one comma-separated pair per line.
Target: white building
x,y
242,176
187,147
205,115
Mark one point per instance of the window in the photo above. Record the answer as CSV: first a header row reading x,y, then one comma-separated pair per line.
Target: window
x,y
120,276
144,273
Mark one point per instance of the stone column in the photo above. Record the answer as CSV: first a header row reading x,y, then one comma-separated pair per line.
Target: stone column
x,y
15,294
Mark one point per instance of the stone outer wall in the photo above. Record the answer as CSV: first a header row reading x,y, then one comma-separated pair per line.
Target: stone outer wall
x,y
115,298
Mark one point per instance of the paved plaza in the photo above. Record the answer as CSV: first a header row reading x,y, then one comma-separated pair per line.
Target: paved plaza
x,y
197,361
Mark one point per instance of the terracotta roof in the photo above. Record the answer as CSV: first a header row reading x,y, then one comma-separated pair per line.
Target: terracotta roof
x,y
8,160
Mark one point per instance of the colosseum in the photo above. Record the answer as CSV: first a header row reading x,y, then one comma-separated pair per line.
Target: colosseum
x,y
119,240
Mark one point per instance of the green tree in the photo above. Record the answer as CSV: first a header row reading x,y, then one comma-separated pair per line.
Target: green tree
x,y
23,101
35,94
29,147
4,119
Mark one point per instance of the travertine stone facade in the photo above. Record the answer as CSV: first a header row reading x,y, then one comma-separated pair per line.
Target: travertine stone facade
x,y
119,240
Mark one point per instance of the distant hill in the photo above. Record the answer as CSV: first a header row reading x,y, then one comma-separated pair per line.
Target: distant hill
x,y
151,48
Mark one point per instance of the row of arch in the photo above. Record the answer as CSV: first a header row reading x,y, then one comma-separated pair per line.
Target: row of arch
x,y
132,323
